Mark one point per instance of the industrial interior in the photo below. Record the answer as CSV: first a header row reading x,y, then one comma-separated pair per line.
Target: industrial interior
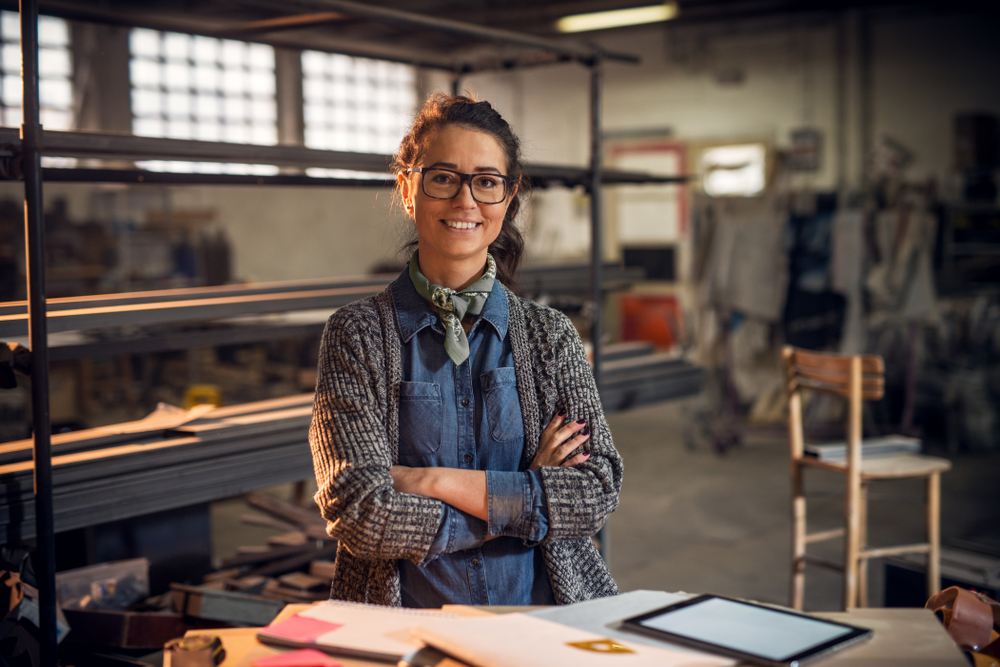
x,y
774,225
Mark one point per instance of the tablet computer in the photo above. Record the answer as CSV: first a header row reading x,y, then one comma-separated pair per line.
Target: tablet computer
x,y
751,632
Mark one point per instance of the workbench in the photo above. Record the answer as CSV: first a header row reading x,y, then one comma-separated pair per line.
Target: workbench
x,y
903,637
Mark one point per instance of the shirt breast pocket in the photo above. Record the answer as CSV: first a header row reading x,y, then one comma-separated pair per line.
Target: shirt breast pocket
x,y
419,421
503,409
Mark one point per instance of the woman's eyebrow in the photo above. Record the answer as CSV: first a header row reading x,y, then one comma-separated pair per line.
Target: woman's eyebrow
x,y
452,165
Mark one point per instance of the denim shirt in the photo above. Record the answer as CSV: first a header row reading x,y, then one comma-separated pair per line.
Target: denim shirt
x,y
469,417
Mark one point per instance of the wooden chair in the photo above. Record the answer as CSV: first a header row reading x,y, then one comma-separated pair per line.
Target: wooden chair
x,y
856,378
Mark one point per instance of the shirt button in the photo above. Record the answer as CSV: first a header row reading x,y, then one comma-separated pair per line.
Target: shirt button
x,y
475,562
465,402
468,458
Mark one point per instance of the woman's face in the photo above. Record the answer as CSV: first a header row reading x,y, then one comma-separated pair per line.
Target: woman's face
x,y
458,229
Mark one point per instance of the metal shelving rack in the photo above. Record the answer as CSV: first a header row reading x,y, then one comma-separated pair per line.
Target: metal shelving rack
x,y
21,157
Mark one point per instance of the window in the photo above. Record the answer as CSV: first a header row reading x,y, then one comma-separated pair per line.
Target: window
x,y
55,90
192,87
738,170
355,104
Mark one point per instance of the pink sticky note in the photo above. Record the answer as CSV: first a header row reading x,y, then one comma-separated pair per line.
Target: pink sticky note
x,y
307,657
301,628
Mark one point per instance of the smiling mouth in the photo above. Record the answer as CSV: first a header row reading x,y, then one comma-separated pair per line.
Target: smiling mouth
x,y
461,225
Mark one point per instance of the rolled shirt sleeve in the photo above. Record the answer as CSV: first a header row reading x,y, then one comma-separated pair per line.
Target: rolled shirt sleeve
x,y
457,531
517,505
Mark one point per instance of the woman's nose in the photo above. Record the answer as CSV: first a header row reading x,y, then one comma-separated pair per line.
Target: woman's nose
x,y
464,198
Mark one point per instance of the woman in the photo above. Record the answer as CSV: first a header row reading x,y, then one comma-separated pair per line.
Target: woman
x,y
460,450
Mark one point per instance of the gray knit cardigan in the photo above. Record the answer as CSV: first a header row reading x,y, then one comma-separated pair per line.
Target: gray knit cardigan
x,y
355,438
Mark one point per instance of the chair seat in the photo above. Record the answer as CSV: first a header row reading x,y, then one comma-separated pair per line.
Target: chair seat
x,y
888,467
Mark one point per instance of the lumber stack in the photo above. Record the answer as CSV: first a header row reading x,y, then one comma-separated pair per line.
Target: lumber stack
x,y
630,379
112,473
176,458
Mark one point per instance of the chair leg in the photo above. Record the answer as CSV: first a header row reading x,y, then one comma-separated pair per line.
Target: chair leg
x,y
852,541
798,539
863,544
934,534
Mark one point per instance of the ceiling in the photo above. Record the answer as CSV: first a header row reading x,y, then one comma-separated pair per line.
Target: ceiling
x,y
342,26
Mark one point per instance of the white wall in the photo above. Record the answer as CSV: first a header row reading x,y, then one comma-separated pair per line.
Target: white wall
x,y
276,233
280,233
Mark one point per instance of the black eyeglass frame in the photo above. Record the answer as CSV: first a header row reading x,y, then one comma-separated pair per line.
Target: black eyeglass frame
x,y
463,178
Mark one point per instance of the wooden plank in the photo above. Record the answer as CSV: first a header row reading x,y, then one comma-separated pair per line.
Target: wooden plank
x,y
295,562
268,554
228,606
284,510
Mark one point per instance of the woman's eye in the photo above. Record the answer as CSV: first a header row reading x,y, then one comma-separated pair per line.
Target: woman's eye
x,y
442,178
487,182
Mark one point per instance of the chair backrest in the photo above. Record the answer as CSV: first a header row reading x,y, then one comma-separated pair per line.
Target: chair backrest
x,y
831,373
857,378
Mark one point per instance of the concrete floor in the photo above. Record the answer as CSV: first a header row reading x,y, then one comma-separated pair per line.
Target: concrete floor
x,y
693,520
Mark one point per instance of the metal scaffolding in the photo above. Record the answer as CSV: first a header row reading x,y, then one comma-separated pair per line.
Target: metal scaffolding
x,y
22,157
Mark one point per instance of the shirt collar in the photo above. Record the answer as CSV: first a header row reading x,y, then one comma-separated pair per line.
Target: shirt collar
x,y
413,313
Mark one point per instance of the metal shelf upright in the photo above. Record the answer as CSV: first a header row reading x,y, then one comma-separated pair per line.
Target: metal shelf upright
x,y
30,146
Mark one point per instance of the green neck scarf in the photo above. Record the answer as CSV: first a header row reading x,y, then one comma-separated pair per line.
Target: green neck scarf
x,y
452,306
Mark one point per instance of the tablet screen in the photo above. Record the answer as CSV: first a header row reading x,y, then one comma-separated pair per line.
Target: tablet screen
x,y
746,628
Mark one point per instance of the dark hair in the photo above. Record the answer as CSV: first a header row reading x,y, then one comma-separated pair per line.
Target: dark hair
x,y
442,110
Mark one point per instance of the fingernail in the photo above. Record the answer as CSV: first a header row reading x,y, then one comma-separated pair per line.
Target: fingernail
x,y
586,452
586,431
581,421
561,413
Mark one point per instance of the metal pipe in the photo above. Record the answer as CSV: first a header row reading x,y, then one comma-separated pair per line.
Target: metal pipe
x,y
328,43
150,313
841,84
596,243
411,20
111,145
867,77
142,177
337,44
596,233
31,143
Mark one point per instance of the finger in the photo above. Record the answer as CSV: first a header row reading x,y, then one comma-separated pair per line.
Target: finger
x,y
579,458
570,446
568,430
557,420
567,439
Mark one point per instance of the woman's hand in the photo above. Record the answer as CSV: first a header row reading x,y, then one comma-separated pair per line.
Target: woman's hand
x,y
559,440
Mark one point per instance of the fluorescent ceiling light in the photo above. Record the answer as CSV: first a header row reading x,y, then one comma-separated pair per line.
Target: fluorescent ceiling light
x,y
617,18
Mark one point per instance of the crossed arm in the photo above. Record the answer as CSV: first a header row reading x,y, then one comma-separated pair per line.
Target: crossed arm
x,y
381,511
466,489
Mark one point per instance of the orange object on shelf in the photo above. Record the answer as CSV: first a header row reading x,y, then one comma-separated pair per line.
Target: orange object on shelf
x,y
653,318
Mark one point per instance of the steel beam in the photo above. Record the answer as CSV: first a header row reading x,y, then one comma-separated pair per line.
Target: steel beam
x,y
92,12
31,164
215,303
110,145
333,44
405,19
144,314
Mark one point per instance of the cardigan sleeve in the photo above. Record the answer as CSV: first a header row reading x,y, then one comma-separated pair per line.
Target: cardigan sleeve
x,y
351,447
580,498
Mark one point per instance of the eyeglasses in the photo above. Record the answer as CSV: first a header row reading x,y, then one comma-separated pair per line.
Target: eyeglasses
x,y
440,183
